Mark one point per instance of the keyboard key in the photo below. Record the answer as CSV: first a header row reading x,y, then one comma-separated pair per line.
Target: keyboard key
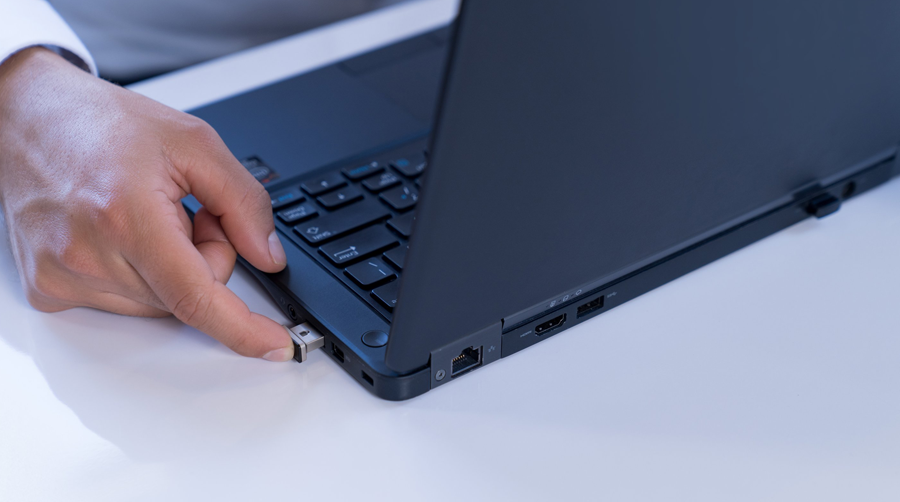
x,y
356,173
340,197
387,294
298,213
411,166
283,198
333,225
401,198
324,184
263,173
379,183
403,224
396,256
370,273
359,245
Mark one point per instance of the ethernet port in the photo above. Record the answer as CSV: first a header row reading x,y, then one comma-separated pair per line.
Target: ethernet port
x,y
468,359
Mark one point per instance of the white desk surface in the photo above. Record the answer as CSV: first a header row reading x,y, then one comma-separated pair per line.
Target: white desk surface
x,y
771,374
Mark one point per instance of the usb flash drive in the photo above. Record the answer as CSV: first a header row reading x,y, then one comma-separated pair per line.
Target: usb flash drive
x,y
306,339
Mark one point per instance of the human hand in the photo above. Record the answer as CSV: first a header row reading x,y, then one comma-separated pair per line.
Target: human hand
x,y
91,182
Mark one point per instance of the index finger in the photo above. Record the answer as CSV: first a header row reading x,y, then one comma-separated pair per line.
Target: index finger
x,y
209,171
187,286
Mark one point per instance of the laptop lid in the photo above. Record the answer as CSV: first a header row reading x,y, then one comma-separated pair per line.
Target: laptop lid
x,y
581,141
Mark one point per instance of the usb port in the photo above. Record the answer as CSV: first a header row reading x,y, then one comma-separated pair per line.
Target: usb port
x,y
337,352
550,325
590,306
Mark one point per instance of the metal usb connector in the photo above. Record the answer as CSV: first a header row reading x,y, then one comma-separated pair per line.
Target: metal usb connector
x,y
306,339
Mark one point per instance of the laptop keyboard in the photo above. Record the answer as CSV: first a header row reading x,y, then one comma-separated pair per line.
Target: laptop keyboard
x,y
356,221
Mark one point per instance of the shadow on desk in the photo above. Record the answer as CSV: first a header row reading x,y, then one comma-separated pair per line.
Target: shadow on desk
x,y
156,388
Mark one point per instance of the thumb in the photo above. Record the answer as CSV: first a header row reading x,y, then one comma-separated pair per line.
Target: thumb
x,y
210,172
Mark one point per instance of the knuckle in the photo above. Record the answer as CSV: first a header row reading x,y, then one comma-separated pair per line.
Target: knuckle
x,y
109,215
39,302
253,196
193,307
79,260
200,131
45,288
258,198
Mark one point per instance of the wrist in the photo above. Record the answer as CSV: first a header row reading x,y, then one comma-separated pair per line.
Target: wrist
x,y
24,67
18,73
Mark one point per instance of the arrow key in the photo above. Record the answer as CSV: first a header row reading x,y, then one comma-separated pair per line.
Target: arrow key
x,y
370,273
396,256
340,197
387,294
324,184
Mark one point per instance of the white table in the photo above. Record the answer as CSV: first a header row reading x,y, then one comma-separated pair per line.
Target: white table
x,y
771,374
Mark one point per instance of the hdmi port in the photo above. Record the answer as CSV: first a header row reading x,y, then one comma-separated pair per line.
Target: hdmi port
x,y
550,325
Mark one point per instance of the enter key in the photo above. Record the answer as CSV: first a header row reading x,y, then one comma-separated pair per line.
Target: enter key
x,y
359,245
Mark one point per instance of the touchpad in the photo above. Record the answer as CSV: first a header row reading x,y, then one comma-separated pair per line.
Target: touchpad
x,y
408,73
308,121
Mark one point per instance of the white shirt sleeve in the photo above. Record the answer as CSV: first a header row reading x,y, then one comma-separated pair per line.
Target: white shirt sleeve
x,y
34,23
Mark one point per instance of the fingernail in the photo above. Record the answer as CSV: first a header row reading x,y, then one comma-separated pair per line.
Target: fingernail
x,y
280,355
276,249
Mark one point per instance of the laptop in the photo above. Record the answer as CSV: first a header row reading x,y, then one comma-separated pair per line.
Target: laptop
x,y
454,198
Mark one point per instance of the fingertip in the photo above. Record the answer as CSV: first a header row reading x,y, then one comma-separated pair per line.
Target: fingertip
x,y
276,251
272,340
280,355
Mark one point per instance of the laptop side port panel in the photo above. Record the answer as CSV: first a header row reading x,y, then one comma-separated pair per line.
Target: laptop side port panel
x,y
550,323
465,355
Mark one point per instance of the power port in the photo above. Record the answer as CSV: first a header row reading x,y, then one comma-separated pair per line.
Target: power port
x,y
337,352
468,359
590,306
550,325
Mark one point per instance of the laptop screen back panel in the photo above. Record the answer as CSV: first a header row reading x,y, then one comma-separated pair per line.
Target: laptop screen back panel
x,y
584,141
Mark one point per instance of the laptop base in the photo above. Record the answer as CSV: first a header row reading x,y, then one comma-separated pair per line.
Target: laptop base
x,y
585,306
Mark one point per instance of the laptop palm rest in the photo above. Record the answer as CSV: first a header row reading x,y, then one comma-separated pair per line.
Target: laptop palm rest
x,y
310,121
